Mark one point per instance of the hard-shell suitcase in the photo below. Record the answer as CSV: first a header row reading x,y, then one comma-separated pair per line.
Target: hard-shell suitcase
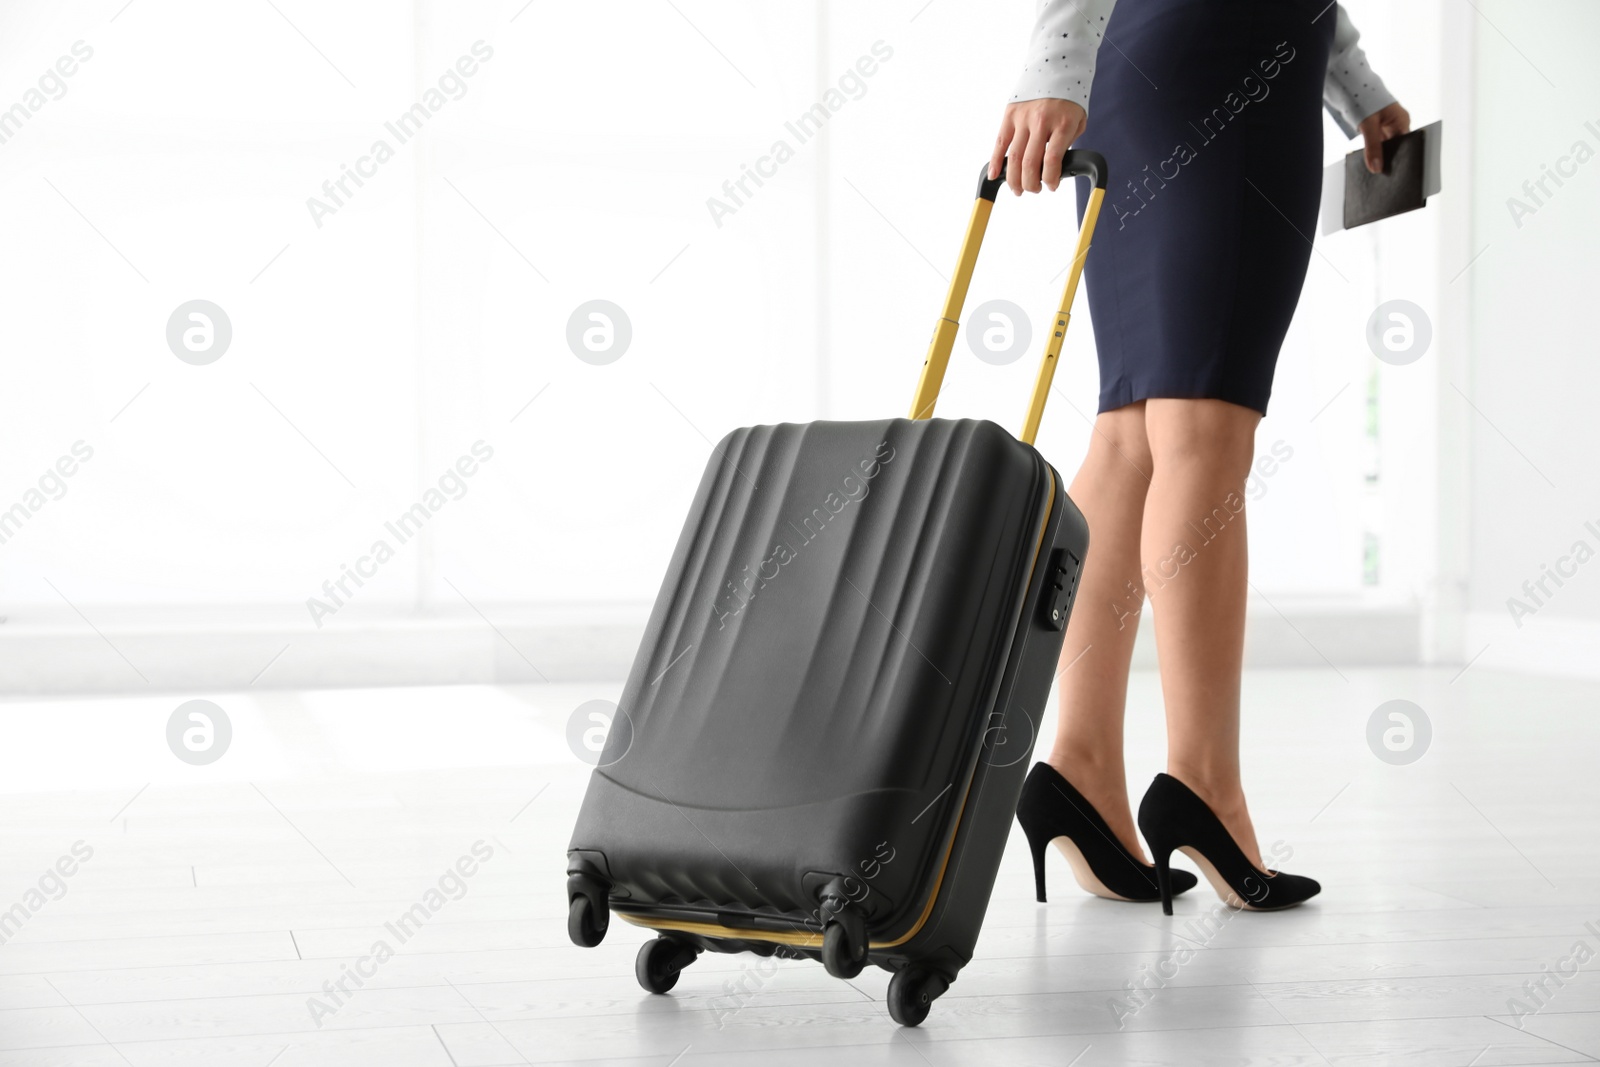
x,y
822,741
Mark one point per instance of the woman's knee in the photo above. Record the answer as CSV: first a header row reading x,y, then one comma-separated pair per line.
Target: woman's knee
x,y
1120,439
1212,434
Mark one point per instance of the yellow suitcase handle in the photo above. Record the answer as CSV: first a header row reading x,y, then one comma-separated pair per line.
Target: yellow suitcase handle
x,y
1077,162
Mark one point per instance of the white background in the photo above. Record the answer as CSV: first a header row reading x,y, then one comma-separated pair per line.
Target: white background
x,y
423,316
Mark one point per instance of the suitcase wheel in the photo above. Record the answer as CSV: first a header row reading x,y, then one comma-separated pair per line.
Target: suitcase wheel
x,y
912,992
586,928
659,962
840,955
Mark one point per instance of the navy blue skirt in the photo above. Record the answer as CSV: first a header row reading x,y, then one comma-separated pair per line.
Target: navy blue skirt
x,y
1209,114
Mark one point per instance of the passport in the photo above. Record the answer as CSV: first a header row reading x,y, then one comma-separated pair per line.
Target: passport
x,y
1352,196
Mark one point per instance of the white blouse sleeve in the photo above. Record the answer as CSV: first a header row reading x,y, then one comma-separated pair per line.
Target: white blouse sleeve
x,y
1062,49
1066,39
1351,91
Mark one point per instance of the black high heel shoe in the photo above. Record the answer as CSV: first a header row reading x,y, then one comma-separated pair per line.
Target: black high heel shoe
x,y
1172,816
1051,810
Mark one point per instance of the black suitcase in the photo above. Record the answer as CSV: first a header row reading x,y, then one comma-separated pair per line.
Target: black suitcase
x,y
822,741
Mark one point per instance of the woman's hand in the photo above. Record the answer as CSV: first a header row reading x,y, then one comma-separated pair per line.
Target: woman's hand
x,y
1034,135
1379,127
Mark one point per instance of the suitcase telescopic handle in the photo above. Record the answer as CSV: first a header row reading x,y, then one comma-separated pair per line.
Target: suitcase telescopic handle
x,y
1076,163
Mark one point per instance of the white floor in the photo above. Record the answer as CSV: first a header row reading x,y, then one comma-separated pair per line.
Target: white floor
x,y
218,900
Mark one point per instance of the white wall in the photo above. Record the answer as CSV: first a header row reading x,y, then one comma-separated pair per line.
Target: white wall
x,y
1534,375
416,320
372,352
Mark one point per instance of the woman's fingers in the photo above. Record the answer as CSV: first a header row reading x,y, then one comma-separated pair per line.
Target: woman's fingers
x,y
1053,152
1379,127
1034,138
1033,158
1014,158
1001,142
1068,129
1373,151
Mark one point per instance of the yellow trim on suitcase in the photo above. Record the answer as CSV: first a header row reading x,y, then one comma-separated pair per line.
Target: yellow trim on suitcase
x,y
802,939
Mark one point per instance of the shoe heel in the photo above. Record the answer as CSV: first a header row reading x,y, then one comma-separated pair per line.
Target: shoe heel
x,y
1051,809
1173,816
1163,858
1037,846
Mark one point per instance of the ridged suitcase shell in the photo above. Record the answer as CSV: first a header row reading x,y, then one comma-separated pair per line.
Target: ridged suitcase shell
x,y
846,634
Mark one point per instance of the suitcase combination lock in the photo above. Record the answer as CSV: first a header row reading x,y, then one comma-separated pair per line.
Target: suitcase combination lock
x,y
1060,582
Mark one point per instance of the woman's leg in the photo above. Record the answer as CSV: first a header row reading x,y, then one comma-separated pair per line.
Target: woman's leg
x,y
1110,489
1196,574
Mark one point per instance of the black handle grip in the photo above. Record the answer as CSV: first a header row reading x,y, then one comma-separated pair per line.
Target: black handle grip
x,y
1077,161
